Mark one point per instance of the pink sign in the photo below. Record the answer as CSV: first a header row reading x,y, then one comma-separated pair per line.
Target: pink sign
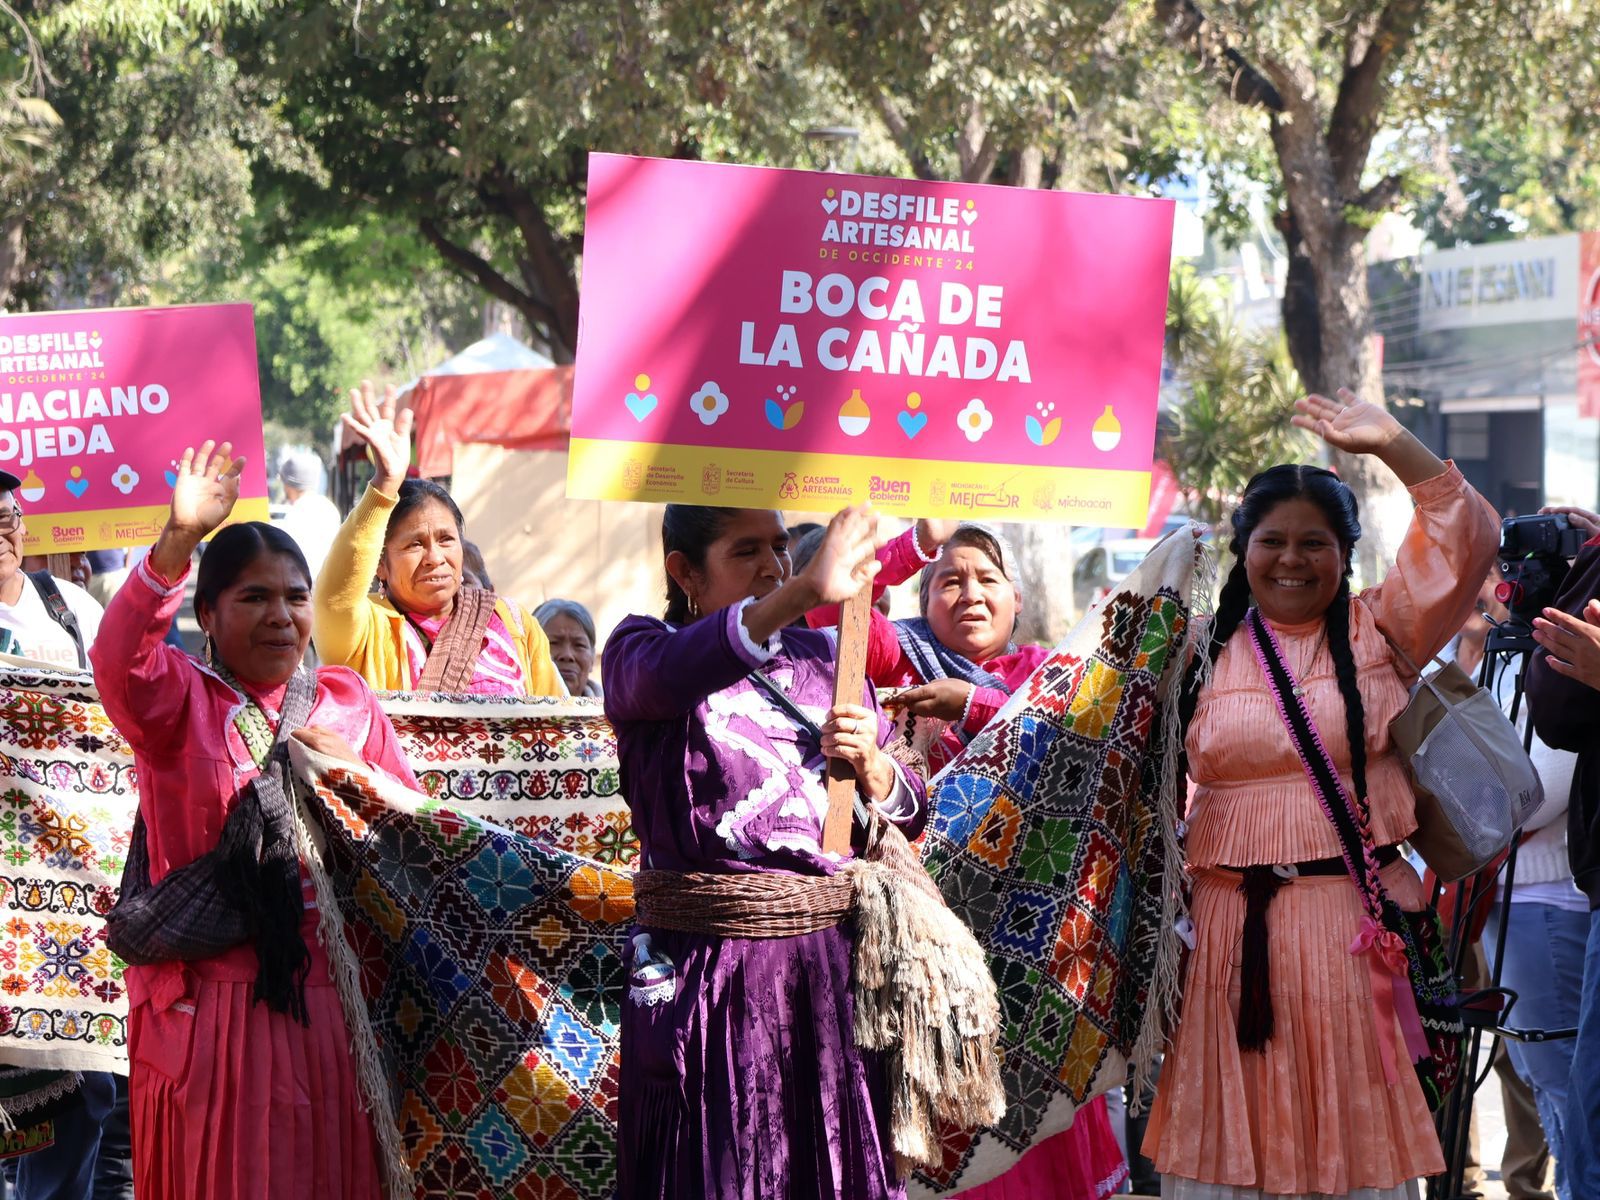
x,y
96,405
752,336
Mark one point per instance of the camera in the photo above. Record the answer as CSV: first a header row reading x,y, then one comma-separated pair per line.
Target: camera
x,y
1535,555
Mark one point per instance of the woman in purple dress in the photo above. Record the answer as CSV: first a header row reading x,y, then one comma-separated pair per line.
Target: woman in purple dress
x,y
741,1079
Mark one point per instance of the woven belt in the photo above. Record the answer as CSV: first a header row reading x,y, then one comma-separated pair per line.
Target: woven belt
x,y
1259,885
753,905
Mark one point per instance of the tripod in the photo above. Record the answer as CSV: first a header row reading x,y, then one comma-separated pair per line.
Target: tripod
x,y
1488,1011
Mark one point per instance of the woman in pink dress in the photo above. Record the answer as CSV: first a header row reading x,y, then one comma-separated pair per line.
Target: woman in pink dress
x,y
961,666
1284,1077
242,1081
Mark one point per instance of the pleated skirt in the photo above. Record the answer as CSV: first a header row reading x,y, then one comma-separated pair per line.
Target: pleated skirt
x,y
747,1084
231,1101
1312,1114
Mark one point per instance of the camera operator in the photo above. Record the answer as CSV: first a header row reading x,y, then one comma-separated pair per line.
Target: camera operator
x,y
1564,702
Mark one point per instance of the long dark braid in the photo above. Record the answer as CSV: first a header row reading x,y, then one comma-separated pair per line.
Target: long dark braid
x,y
1344,670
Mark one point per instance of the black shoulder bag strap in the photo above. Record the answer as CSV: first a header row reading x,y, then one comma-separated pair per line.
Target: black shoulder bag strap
x,y
56,605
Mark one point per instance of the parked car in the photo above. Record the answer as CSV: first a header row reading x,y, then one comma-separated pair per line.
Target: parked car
x,y
1102,567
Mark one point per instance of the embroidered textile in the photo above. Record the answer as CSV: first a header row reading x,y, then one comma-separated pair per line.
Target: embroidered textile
x,y
1054,835
66,817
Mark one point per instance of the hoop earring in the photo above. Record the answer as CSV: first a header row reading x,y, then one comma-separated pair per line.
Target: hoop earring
x,y
694,608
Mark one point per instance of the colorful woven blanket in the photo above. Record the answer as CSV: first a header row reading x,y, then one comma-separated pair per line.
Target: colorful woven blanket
x,y
546,769
1054,835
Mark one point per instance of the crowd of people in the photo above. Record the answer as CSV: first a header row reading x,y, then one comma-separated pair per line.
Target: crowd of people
x,y
1287,1074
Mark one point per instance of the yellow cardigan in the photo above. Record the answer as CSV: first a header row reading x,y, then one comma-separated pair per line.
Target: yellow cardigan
x,y
366,632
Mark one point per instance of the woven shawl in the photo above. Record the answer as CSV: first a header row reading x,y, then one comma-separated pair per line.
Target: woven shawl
x,y
454,654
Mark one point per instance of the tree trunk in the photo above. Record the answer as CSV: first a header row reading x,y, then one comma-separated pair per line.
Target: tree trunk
x,y
1044,562
13,254
1339,331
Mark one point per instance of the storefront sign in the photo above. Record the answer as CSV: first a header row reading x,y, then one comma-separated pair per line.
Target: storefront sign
x,y
1499,283
794,339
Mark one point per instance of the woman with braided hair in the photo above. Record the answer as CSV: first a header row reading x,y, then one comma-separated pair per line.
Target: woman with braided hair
x,y
1283,1079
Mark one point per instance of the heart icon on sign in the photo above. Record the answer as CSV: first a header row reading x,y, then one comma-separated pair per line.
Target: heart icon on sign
x,y
640,406
969,215
94,340
829,204
912,424
78,487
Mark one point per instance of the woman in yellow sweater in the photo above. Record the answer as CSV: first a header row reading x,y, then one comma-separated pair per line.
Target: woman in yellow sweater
x,y
427,631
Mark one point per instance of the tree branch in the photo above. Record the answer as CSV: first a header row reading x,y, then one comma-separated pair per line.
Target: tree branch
x,y
1380,197
549,267
1241,81
479,270
1370,51
979,149
900,130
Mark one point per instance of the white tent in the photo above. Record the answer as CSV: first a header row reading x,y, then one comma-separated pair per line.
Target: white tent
x,y
497,352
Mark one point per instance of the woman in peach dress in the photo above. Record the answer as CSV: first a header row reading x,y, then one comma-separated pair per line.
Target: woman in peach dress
x,y
1309,1109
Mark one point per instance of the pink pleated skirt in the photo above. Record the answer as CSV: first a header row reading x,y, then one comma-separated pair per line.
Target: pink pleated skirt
x,y
1312,1113
231,1101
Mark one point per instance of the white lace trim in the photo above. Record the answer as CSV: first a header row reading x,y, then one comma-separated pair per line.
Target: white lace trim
x,y
155,585
752,649
660,992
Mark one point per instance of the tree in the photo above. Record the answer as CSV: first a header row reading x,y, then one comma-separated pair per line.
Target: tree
x,y
472,123
1234,420
1330,84
358,300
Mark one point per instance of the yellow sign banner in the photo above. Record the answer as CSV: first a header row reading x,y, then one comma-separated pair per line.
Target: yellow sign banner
x,y
903,487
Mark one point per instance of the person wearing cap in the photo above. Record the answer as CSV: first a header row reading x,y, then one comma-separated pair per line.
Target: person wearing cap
x,y
312,520
26,602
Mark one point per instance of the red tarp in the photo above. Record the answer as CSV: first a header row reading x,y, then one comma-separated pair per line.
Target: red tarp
x,y
521,410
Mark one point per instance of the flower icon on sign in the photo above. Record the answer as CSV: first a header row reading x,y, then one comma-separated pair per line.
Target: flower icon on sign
x,y
125,480
709,403
975,420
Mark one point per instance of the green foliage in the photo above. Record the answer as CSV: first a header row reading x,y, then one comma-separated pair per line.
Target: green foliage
x,y
152,162
1239,392
1487,184
363,300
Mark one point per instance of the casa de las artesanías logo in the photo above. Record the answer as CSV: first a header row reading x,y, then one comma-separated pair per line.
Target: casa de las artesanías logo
x,y
897,220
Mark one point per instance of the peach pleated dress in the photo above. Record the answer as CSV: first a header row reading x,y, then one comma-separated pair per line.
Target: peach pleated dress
x,y
1311,1114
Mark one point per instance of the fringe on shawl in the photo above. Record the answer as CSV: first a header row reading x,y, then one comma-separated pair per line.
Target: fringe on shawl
x,y
399,1182
1161,1014
924,996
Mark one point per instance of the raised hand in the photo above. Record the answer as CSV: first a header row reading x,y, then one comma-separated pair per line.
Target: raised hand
x,y
1572,643
1348,423
845,561
388,436
206,490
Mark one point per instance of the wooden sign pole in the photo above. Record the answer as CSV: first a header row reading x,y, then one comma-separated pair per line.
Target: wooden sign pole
x,y
849,680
